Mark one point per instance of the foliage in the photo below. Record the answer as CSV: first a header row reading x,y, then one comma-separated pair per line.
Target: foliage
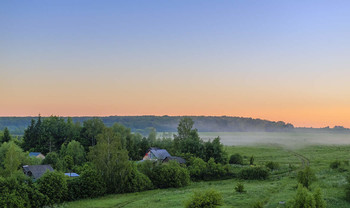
x,y
170,174
236,159
253,173
320,202
272,165
215,150
347,189
48,135
258,204
335,164
187,139
54,185
11,158
19,191
69,163
208,199
91,129
197,169
306,177
111,160
6,137
240,187
137,181
76,151
251,160
53,159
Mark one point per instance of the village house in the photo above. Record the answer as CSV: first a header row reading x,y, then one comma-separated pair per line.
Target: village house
x,y
36,171
156,154
36,155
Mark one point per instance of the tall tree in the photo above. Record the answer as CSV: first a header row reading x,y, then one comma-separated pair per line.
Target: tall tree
x,y
91,128
6,137
111,160
187,139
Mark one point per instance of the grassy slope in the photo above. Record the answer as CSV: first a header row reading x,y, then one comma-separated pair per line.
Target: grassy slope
x,y
277,188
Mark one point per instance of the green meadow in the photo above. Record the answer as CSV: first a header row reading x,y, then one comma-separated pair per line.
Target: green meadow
x,y
292,152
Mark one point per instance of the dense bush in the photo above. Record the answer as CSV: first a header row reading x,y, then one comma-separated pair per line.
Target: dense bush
x,y
306,177
272,165
19,191
347,189
236,159
137,181
254,173
304,198
54,185
88,185
170,174
239,187
207,199
197,169
335,164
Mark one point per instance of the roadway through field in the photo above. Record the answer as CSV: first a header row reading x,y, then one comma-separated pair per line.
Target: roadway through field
x,y
304,160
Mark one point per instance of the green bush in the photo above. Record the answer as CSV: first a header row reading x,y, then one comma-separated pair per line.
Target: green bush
x,y
197,169
304,198
272,165
170,174
88,185
214,170
137,181
239,187
335,164
54,185
19,191
207,199
254,173
347,189
236,159
258,204
306,177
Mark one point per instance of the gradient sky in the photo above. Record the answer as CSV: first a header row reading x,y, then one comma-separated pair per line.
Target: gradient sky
x,y
277,60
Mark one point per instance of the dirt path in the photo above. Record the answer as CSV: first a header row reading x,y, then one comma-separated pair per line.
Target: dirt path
x,y
304,160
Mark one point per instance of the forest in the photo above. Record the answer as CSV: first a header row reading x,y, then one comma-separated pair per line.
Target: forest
x,y
142,124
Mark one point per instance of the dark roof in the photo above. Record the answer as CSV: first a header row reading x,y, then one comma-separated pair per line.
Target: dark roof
x,y
178,159
159,153
34,154
36,171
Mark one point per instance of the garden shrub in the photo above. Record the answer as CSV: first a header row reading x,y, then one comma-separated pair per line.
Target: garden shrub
x,y
19,191
254,173
304,198
170,174
306,177
239,187
335,164
197,169
236,159
54,185
137,181
208,199
272,165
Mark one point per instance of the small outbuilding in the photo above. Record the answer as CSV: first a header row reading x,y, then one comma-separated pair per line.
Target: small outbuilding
x,y
36,171
36,155
178,159
155,153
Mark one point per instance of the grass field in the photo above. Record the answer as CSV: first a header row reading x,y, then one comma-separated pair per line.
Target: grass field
x,y
279,187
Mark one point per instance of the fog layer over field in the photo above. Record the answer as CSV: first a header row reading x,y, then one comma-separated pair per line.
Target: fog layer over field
x,y
297,138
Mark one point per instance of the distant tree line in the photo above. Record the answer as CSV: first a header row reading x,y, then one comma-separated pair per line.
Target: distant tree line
x,y
142,124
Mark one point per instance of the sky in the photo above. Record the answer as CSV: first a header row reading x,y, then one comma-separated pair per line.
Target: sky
x,y
275,60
